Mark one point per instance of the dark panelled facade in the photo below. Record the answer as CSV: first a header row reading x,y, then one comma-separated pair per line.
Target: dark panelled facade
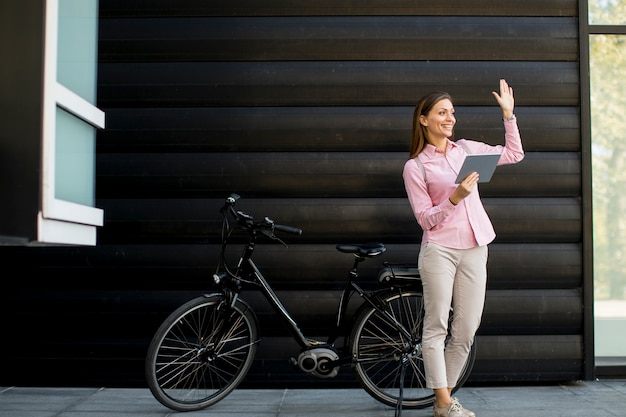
x,y
305,110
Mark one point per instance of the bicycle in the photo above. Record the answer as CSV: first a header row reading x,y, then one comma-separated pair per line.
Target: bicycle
x,y
203,350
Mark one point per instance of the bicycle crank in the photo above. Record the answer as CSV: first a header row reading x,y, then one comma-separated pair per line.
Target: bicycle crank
x,y
319,362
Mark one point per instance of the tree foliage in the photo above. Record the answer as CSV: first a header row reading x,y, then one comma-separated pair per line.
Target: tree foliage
x,y
608,130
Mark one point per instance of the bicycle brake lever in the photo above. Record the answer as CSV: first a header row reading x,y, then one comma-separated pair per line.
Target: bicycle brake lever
x,y
270,233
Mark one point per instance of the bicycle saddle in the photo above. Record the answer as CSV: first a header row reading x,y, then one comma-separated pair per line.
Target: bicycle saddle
x,y
368,250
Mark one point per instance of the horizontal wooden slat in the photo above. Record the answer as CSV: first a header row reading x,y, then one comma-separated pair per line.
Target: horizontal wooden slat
x,y
507,312
522,358
540,312
311,175
499,359
321,83
326,129
536,220
515,312
338,38
157,269
528,265
528,358
167,8
516,220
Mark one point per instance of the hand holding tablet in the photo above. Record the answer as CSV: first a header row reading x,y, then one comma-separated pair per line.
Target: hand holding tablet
x,y
484,164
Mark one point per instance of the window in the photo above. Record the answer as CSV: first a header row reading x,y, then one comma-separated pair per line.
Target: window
x,y
607,60
70,120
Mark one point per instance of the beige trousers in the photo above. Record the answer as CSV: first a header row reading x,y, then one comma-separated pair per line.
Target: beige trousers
x,y
457,279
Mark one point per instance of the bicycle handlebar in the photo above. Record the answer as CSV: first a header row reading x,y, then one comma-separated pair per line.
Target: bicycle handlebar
x,y
247,222
288,229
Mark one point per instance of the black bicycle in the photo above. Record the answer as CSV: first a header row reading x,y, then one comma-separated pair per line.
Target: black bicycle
x,y
204,349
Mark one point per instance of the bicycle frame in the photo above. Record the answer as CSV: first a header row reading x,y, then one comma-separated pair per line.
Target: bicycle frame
x,y
246,266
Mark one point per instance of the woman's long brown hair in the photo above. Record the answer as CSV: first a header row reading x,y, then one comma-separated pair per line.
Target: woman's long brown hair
x,y
422,108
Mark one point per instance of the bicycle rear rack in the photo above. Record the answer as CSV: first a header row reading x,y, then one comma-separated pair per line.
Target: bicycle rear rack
x,y
399,274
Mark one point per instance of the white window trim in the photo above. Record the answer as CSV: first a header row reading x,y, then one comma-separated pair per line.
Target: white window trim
x,y
75,104
58,220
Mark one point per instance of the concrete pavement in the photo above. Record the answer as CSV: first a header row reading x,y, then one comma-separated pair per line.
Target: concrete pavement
x,y
600,398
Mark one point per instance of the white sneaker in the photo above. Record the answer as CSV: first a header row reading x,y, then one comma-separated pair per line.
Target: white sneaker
x,y
455,409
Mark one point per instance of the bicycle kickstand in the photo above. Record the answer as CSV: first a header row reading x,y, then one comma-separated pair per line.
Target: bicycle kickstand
x,y
401,387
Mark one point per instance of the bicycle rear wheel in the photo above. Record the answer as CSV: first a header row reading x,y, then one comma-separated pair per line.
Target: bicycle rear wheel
x,y
378,349
201,352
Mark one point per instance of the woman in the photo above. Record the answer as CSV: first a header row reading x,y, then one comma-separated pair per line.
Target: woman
x,y
456,231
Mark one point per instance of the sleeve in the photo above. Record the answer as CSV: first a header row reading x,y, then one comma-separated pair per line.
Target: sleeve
x,y
511,153
426,213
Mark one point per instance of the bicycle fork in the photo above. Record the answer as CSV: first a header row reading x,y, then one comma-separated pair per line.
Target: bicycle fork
x,y
225,321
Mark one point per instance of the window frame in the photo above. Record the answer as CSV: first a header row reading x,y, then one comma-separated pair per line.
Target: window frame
x,y
586,30
59,220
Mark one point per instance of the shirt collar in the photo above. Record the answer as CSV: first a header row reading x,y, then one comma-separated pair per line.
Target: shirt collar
x,y
431,151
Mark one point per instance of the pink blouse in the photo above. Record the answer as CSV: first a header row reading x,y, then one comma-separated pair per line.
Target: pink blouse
x,y
467,224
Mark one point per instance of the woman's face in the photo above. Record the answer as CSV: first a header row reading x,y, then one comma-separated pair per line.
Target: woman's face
x,y
440,121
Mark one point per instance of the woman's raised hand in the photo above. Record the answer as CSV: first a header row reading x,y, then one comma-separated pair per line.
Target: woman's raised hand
x,y
505,99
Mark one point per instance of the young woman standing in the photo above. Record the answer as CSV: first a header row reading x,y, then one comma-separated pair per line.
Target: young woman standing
x,y
456,231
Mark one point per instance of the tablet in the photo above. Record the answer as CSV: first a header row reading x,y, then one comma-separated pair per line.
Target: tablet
x,y
484,164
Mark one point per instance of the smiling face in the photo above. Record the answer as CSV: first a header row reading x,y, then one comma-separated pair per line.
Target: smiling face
x,y
439,121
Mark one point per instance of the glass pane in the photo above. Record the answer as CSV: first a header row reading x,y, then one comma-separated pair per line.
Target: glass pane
x,y
607,12
74,179
77,47
607,60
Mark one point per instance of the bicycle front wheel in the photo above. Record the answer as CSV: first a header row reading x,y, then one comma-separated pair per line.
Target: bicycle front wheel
x,y
201,352
381,351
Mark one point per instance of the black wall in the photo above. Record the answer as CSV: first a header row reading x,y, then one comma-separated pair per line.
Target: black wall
x,y
305,110
21,113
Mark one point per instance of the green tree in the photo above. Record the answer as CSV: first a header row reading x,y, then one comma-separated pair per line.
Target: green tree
x,y
608,130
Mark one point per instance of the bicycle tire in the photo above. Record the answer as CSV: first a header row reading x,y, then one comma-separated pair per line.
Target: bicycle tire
x,y
377,350
193,361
